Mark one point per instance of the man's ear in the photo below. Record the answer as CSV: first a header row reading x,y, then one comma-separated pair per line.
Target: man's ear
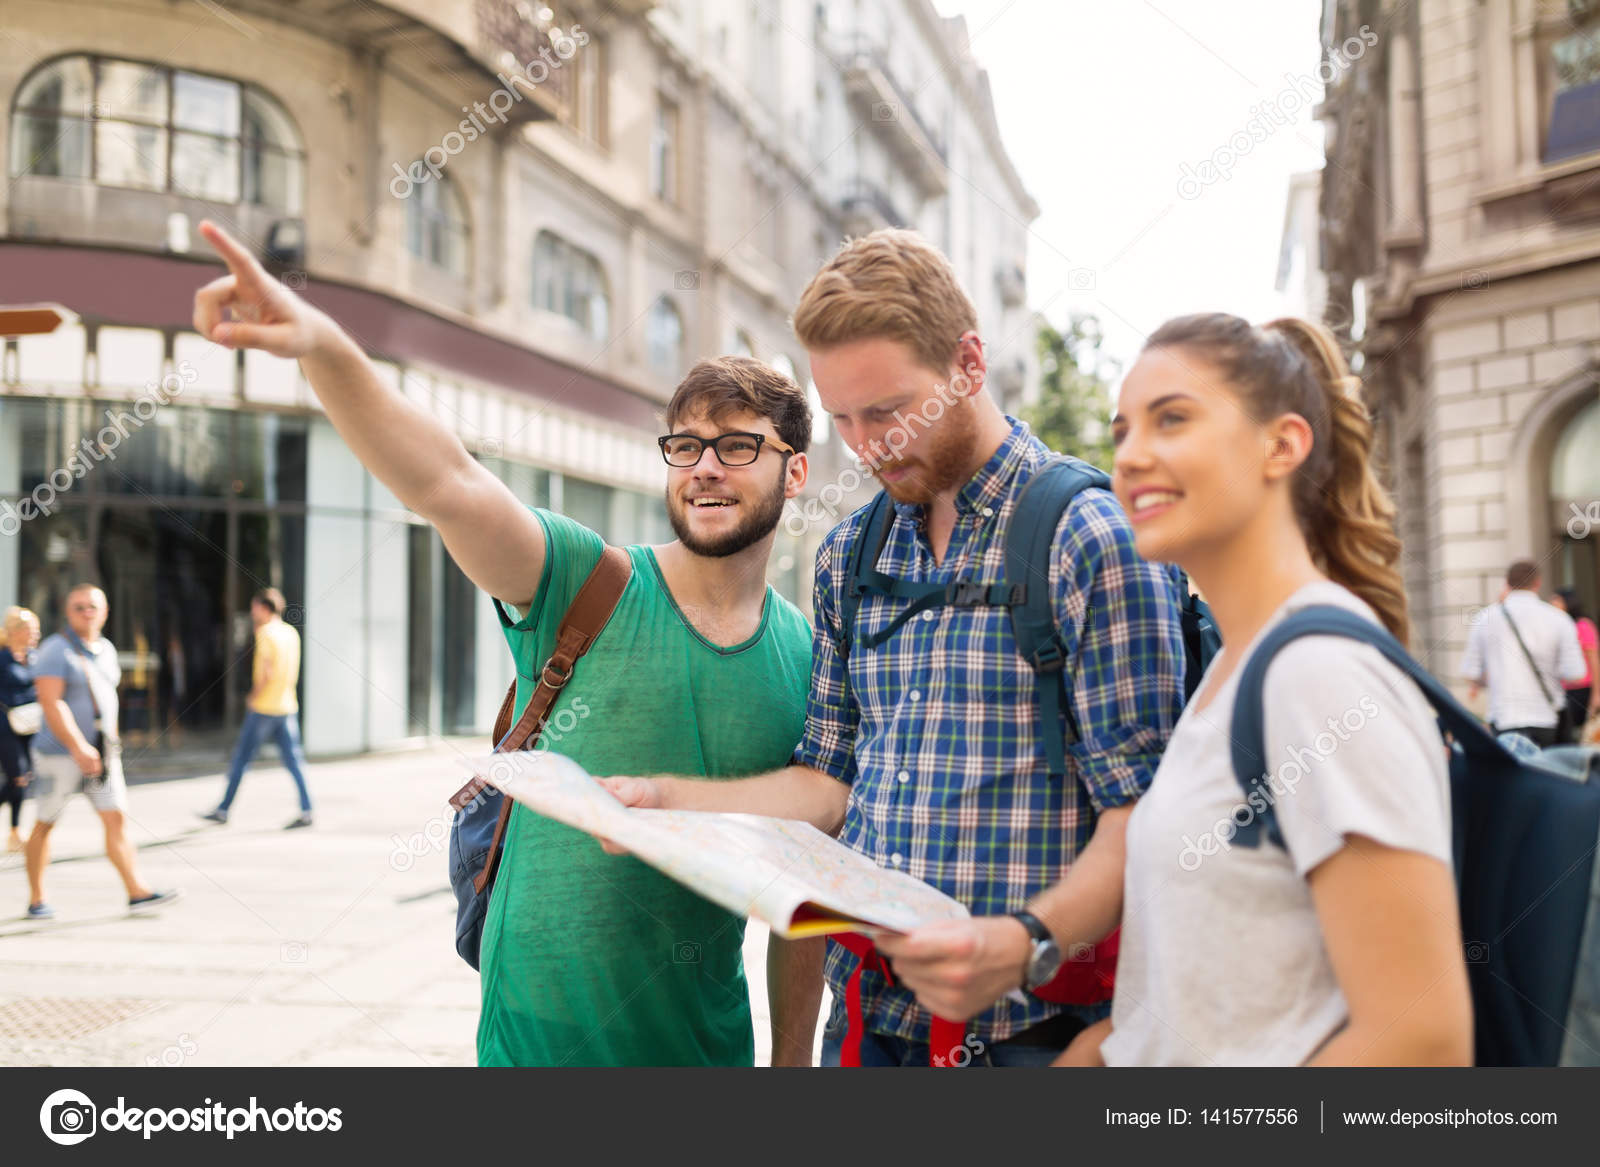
x,y
971,367
795,475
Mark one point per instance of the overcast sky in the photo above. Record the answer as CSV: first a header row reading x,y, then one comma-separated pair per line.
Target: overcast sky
x,y
1100,104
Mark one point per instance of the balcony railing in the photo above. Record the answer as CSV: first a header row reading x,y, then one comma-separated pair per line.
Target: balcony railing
x,y
866,208
529,43
890,108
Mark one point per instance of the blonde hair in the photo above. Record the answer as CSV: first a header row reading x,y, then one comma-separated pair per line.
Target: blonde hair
x,y
891,285
15,615
1291,365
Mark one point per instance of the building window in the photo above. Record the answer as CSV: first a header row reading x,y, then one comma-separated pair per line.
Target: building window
x,y
664,338
436,226
1574,126
664,152
589,104
120,123
571,283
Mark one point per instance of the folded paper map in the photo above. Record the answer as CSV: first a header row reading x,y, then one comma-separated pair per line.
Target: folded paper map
x,y
787,874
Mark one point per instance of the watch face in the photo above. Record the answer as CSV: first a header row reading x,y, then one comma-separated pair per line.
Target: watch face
x,y
1044,963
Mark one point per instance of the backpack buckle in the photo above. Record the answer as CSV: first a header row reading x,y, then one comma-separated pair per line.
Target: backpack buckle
x,y
969,595
1048,658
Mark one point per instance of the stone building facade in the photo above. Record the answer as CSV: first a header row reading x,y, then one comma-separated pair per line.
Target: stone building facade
x,y
533,214
1461,239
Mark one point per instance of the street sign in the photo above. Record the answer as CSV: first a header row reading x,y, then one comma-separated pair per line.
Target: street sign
x,y
31,319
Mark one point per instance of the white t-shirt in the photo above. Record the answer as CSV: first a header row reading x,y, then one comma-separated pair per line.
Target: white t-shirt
x,y
1222,960
1516,696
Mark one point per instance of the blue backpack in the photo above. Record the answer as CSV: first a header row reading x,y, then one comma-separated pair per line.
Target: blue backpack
x,y
1524,842
1030,546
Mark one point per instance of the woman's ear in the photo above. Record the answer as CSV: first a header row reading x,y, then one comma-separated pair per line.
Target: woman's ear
x,y
1289,441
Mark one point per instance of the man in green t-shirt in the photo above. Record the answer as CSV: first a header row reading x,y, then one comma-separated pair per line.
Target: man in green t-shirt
x,y
702,672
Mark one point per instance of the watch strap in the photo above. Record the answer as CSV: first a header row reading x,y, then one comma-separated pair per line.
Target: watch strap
x,y
1034,925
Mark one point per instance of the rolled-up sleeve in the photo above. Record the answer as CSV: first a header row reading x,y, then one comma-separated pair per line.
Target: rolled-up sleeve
x,y
1120,618
829,741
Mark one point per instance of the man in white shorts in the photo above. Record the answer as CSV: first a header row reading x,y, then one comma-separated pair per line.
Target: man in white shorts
x,y
77,749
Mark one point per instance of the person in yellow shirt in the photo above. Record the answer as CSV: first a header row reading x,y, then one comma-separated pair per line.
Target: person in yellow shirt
x,y
272,708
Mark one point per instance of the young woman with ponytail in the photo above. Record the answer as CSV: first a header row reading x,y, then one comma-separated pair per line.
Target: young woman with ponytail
x,y
1244,455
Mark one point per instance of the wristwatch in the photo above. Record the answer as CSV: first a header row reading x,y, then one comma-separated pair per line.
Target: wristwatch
x,y
1044,959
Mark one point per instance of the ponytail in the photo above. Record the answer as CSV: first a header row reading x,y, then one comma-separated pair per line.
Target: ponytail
x,y
1347,516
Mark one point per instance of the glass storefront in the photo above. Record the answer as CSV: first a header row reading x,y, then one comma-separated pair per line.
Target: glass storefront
x,y
182,516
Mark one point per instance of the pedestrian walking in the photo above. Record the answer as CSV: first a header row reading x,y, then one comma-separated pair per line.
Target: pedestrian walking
x,y
1524,650
273,709
19,713
78,748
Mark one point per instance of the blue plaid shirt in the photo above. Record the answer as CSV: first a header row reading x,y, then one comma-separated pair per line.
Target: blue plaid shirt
x,y
937,731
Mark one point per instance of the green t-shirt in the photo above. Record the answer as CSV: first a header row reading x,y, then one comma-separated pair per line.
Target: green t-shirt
x,y
591,959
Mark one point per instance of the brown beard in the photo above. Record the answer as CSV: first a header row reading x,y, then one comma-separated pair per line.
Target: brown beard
x,y
752,528
944,462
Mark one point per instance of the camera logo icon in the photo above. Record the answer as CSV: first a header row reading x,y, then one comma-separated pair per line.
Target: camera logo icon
x,y
686,952
67,1117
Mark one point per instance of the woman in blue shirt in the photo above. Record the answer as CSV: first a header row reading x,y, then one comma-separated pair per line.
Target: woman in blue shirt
x,y
21,637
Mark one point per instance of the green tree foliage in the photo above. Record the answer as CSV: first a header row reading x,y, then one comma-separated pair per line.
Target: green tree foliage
x,y
1073,413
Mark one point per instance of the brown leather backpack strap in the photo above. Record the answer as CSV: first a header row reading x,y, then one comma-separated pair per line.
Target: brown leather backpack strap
x,y
502,723
585,619
502,720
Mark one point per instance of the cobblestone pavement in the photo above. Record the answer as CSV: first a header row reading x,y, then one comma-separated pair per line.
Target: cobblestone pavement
x,y
323,947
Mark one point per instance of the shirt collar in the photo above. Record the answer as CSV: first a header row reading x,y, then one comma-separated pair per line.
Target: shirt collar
x,y
991,482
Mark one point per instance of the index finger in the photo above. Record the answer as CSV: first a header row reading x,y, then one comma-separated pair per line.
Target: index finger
x,y
240,262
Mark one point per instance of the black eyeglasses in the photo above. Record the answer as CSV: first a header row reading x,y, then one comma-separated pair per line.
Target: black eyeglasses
x,y
737,449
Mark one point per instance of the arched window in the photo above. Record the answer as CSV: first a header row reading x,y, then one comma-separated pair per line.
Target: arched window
x,y
437,231
571,283
1574,473
664,338
122,123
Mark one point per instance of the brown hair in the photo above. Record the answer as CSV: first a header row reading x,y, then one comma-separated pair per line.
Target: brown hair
x,y
1524,573
718,386
892,285
1294,366
270,599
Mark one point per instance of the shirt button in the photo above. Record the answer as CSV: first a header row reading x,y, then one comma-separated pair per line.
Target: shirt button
x,y
916,694
903,776
988,512
928,614
896,859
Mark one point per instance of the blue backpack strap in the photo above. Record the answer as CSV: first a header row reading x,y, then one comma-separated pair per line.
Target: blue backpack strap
x,y
863,577
1249,745
1030,547
862,566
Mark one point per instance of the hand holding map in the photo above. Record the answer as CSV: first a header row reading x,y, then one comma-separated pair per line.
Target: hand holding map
x,y
783,872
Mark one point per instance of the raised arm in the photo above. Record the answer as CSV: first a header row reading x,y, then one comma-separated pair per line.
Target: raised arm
x,y
493,537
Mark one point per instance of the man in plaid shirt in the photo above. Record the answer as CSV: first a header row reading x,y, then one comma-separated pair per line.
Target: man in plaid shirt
x,y
926,753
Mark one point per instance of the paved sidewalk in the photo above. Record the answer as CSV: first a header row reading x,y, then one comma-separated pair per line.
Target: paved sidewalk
x,y
323,947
